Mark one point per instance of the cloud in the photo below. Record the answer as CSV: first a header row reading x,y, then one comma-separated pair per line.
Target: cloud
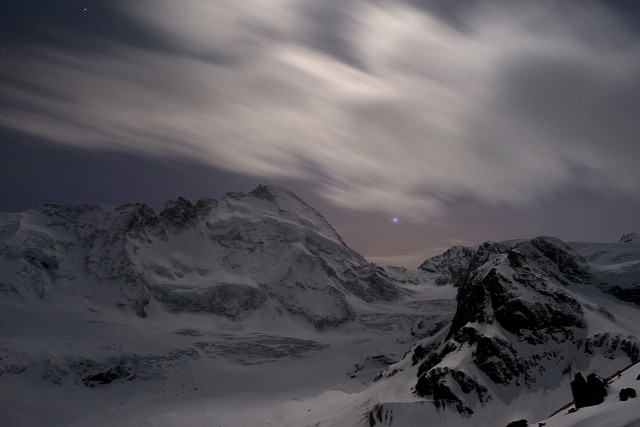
x,y
377,106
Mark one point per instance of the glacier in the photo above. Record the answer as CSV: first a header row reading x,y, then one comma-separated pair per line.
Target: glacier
x,y
252,310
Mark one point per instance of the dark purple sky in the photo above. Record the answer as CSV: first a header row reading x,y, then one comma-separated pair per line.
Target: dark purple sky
x,y
465,120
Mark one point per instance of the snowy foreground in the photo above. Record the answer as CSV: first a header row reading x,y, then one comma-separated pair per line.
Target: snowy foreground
x,y
251,311
612,412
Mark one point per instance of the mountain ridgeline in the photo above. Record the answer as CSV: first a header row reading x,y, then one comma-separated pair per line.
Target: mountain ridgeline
x,y
261,277
517,322
228,258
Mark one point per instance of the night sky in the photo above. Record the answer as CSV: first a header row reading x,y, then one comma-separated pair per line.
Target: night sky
x,y
464,121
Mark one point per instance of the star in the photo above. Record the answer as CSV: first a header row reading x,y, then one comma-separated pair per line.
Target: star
x,y
395,219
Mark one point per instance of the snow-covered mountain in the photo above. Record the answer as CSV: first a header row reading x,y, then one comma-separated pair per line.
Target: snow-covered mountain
x,y
616,265
528,316
259,251
614,411
251,310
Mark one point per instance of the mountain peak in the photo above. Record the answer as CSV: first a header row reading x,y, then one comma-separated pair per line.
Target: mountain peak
x,y
278,202
271,192
629,238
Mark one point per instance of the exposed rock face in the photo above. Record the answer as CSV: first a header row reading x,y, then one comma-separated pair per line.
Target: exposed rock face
x,y
107,377
179,213
590,392
56,244
514,319
440,383
629,237
613,346
627,393
452,267
629,294
227,258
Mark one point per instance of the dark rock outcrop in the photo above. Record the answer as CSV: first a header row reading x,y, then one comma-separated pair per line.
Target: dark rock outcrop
x,y
513,321
630,294
452,266
179,213
108,376
590,392
627,393
435,384
629,238
612,346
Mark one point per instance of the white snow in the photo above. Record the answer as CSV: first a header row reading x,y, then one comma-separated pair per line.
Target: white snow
x,y
612,412
70,279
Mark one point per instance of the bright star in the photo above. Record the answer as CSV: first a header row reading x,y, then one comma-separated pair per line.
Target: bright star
x,y
395,219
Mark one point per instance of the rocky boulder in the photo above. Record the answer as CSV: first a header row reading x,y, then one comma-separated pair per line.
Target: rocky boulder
x,y
590,392
627,393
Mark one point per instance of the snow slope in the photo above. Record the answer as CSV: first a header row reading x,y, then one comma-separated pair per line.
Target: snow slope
x,y
616,265
218,300
612,412
251,310
529,314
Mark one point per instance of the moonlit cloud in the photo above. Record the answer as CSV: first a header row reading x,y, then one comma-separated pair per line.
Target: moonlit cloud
x,y
380,106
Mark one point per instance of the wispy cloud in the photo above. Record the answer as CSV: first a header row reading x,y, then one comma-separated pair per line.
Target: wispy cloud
x,y
381,107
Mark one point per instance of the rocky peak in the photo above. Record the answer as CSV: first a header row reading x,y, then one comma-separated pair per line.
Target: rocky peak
x,y
558,259
456,264
452,266
204,205
263,192
629,238
513,315
527,303
179,213
519,287
67,213
274,202
138,216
